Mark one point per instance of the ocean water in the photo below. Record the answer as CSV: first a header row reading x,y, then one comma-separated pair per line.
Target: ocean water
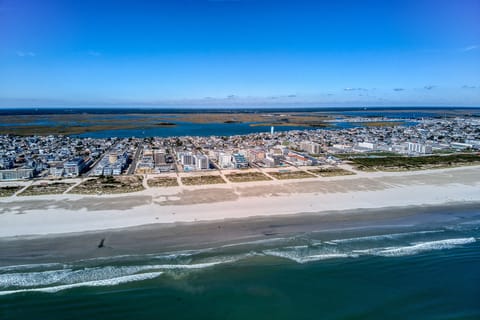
x,y
414,274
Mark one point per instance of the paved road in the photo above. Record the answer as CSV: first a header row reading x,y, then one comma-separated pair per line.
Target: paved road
x,y
94,164
133,165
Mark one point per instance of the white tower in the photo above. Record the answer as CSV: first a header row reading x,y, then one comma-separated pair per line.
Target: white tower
x,y
272,128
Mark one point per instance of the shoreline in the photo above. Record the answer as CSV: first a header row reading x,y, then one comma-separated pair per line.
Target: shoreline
x,y
61,214
175,238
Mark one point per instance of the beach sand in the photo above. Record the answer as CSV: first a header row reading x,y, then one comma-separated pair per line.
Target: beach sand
x,y
57,214
66,227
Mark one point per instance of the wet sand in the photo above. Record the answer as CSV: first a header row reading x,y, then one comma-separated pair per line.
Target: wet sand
x,y
67,227
161,238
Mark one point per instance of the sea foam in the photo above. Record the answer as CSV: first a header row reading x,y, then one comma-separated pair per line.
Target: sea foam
x,y
24,267
416,247
96,283
425,246
304,254
65,277
391,236
57,277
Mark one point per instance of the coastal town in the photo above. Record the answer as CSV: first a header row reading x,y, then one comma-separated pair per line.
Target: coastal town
x,y
123,182
24,158
239,159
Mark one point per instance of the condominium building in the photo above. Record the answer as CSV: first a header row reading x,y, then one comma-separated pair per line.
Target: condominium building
x,y
239,161
225,160
16,174
310,147
74,167
418,148
201,162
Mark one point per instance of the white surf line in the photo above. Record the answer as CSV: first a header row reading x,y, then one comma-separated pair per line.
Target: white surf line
x,y
96,283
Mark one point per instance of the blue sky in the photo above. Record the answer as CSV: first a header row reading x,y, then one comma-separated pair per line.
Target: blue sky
x,y
239,52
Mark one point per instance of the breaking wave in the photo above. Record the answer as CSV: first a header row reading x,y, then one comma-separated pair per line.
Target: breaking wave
x,y
110,271
391,236
416,248
95,283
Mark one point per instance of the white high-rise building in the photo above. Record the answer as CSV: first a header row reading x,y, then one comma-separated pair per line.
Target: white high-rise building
x,y
366,145
418,148
225,160
187,159
310,147
201,162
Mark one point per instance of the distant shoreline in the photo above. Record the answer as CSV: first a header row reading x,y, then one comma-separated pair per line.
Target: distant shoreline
x,y
149,121
221,108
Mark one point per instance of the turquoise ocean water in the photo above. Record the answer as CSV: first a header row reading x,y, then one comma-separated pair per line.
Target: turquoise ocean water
x,y
414,274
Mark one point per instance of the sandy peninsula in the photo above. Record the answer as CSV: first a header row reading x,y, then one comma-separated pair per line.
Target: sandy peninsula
x,y
70,213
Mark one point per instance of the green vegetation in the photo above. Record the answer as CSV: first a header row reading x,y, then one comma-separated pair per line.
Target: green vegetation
x,y
381,123
366,155
46,188
199,180
331,172
8,191
291,175
82,123
67,124
162,182
443,151
110,185
246,177
414,163
25,125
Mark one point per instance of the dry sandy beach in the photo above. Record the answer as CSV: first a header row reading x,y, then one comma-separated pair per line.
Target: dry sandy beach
x,y
61,214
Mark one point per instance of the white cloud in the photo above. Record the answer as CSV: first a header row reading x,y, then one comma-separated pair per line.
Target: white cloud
x,y
25,54
355,89
470,48
94,53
